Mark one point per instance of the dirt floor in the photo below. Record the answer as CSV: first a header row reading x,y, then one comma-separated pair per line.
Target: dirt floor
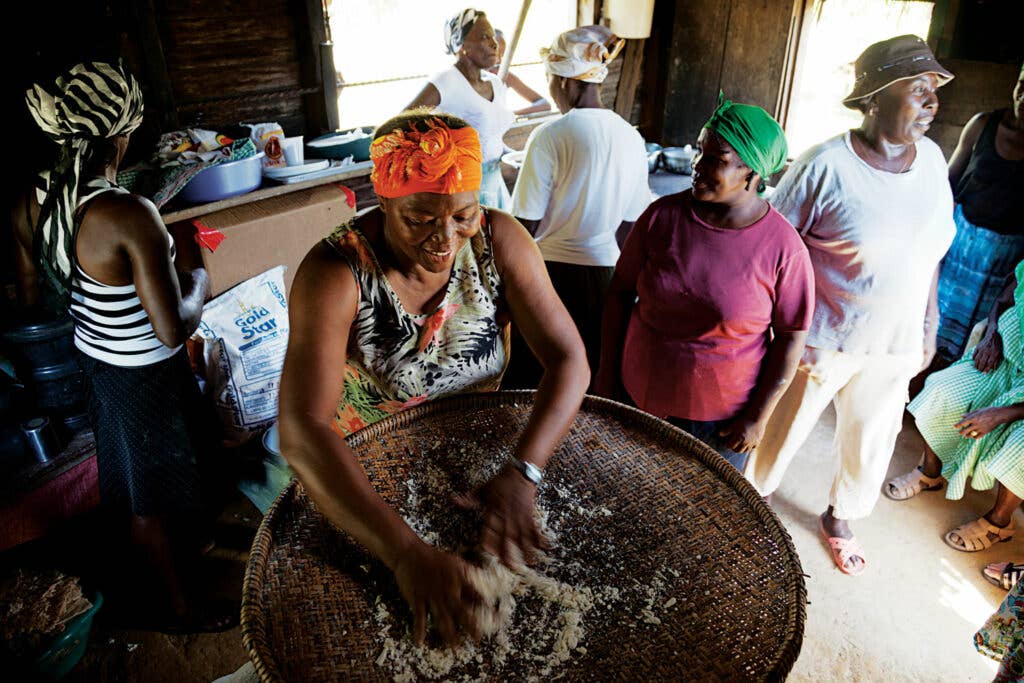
x,y
910,617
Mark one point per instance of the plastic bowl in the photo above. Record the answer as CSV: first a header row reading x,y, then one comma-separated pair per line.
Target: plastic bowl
x,y
225,180
67,648
358,149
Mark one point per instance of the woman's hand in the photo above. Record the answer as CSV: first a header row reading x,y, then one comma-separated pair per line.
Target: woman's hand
x,y
437,581
978,423
742,434
510,530
988,354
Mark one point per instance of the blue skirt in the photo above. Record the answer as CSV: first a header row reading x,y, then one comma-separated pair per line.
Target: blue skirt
x,y
973,274
493,191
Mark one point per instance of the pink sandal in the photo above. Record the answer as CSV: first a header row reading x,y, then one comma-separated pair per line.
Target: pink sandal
x,y
843,549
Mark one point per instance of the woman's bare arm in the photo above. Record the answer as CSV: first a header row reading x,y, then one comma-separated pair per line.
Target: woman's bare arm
x,y
540,315
321,309
509,499
988,354
430,96
779,366
528,94
965,147
23,219
324,298
172,300
618,306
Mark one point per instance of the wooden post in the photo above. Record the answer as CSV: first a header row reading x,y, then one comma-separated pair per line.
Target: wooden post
x,y
586,12
507,60
311,34
629,78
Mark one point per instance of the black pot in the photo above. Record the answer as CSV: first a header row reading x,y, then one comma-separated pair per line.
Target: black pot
x,y
33,345
75,422
10,393
59,388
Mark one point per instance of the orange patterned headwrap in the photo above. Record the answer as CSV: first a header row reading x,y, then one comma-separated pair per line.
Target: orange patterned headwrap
x,y
439,160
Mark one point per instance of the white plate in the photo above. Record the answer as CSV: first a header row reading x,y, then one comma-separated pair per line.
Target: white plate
x,y
276,172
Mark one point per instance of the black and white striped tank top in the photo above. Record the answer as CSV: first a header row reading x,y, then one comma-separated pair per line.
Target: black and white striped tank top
x,y
110,323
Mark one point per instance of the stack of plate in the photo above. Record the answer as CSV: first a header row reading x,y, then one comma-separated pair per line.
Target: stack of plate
x,y
279,172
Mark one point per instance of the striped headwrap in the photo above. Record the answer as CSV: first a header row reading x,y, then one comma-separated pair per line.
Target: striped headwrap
x,y
92,102
457,27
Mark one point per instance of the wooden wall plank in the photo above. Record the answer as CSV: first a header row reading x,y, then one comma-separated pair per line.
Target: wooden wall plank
x,y
755,51
694,67
240,49
310,34
654,72
738,46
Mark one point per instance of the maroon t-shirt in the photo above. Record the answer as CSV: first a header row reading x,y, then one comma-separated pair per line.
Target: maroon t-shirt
x,y
707,299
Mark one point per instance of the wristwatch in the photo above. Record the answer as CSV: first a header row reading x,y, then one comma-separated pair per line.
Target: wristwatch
x,y
530,472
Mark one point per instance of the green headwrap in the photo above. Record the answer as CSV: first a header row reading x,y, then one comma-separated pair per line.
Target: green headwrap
x,y
753,133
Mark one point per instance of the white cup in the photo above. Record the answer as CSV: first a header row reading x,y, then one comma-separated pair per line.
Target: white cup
x,y
293,151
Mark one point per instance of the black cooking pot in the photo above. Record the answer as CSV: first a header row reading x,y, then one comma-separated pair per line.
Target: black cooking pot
x,y
39,344
59,388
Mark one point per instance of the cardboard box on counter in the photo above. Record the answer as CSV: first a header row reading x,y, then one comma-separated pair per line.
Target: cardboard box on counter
x,y
238,243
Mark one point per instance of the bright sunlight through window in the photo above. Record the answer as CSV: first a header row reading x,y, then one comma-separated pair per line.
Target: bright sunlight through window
x,y
838,32
386,50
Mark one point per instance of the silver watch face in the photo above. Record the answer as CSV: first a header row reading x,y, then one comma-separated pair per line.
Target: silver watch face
x,y
529,470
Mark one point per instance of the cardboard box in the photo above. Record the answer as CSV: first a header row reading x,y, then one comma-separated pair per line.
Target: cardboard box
x,y
258,236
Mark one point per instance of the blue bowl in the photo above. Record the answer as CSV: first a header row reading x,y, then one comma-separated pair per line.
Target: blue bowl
x,y
225,180
359,149
67,649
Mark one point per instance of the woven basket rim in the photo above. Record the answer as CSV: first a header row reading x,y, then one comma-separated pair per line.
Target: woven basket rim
x,y
253,635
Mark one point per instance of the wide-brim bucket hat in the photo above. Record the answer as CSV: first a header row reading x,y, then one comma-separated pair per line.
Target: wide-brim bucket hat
x,y
893,60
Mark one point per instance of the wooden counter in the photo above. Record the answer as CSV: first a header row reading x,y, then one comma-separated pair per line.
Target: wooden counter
x,y
267,190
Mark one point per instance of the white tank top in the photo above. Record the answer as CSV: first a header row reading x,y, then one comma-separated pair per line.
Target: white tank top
x,y
110,323
490,118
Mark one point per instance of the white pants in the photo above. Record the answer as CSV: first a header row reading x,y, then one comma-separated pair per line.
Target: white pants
x,y
869,392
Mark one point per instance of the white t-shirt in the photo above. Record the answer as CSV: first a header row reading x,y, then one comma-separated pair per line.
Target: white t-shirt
x,y
583,174
490,118
875,240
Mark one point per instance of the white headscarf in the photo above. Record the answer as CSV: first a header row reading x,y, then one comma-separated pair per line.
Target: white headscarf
x,y
457,27
582,53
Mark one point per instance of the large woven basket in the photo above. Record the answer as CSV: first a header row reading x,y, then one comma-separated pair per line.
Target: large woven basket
x,y
308,594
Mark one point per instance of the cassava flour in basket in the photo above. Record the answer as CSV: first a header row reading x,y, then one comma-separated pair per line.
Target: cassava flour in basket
x,y
538,623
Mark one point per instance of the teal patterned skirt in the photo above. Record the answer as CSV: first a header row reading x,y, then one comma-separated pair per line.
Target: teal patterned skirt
x,y
1002,636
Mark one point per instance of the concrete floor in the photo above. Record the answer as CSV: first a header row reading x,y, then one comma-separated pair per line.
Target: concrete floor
x,y
910,617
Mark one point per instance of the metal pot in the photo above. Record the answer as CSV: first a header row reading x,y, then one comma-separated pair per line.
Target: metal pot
x,y
677,160
653,156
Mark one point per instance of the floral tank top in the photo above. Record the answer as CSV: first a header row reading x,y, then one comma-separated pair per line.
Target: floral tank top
x,y
396,359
